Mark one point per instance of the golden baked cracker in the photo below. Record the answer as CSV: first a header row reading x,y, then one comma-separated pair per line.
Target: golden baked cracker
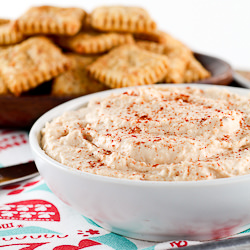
x,y
122,18
177,66
8,35
156,36
4,47
50,20
128,65
86,23
91,42
195,71
177,54
161,37
75,81
171,43
3,87
4,21
152,46
30,63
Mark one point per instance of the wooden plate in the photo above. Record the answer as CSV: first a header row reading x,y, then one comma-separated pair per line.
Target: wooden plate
x,y
22,112
222,72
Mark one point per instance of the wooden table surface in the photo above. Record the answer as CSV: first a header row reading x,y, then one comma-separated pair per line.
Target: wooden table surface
x,y
245,74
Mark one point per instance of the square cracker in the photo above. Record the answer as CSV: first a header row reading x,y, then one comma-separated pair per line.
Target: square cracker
x,y
129,65
152,47
157,36
178,55
91,42
50,20
3,87
30,63
195,71
4,21
122,18
86,23
75,81
178,60
183,66
4,47
8,35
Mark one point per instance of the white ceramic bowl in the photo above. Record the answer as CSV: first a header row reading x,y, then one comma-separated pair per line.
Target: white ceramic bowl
x,y
148,210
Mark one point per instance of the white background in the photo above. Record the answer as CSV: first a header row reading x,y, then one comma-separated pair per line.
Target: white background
x,y
219,28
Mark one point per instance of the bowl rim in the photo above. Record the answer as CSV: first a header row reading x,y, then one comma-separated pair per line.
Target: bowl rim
x,y
78,102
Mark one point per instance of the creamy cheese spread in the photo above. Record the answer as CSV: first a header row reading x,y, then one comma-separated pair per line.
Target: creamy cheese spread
x,y
156,134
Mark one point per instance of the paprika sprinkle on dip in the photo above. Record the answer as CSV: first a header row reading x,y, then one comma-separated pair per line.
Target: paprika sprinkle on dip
x,y
155,133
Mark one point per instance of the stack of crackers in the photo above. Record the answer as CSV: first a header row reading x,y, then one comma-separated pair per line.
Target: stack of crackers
x,y
82,53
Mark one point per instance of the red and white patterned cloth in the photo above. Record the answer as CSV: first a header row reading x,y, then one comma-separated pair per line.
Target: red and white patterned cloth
x,y
14,147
